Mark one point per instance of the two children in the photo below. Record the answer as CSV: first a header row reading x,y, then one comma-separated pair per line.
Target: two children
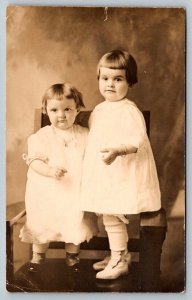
x,y
119,173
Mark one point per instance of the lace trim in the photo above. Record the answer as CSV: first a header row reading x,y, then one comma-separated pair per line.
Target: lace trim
x,y
29,160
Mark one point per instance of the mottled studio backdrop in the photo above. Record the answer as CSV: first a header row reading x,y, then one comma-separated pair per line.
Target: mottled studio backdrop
x,y
46,45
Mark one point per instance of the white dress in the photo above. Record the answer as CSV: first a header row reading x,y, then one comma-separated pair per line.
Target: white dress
x,y
130,184
53,206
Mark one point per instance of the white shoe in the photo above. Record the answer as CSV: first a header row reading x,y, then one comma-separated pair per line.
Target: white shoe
x,y
115,267
100,265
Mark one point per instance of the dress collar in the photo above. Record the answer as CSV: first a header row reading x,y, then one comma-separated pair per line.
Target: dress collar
x,y
115,104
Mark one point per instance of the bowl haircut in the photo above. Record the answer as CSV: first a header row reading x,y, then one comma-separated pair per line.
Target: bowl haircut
x,y
61,91
122,60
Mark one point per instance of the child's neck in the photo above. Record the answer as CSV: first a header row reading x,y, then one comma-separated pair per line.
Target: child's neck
x,y
115,100
63,130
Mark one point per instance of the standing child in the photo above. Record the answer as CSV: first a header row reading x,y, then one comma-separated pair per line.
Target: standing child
x,y
55,155
119,174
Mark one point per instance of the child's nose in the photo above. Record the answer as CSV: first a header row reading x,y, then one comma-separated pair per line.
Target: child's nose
x,y
62,114
110,82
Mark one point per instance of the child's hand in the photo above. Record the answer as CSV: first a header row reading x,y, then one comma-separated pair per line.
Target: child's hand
x,y
109,155
57,172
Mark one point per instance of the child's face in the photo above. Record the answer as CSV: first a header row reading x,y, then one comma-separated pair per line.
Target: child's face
x,y
62,113
113,84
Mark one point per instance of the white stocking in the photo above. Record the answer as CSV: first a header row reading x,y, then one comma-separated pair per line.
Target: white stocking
x,y
117,232
39,251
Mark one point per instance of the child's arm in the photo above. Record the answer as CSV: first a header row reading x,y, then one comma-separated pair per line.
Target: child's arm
x,y
36,160
43,169
110,154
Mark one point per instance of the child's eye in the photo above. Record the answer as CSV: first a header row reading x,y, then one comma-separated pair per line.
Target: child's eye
x,y
118,79
54,109
68,109
104,78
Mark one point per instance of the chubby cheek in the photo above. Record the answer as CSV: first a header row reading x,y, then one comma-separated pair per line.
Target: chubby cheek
x,y
101,89
100,84
71,119
124,89
52,119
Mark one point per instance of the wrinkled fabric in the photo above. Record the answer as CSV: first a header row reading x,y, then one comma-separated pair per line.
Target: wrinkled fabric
x,y
130,184
52,206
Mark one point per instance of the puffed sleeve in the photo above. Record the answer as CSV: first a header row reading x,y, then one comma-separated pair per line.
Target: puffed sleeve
x,y
37,148
133,126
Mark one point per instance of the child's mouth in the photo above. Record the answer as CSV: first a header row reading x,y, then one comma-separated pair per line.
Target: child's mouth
x,y
110,91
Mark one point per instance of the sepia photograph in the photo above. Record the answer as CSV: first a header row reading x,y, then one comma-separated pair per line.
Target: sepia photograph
x,y
95,149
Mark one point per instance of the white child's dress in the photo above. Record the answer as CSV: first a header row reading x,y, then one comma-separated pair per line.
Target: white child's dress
x,y
130,184
52,205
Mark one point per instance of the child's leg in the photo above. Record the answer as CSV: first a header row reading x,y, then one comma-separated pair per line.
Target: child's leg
x,y
72,254
39,251
118,238
72,248
38,257
117,233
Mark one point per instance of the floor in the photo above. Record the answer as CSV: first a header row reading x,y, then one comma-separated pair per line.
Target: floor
x,y
172,260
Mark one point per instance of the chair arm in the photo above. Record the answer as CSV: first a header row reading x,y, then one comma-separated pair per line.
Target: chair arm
x,y
15,219
15,212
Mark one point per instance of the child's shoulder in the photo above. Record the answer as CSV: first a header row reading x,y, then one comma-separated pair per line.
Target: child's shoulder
x,y
41,136
42,132
131,106
133,112
80,129
99,106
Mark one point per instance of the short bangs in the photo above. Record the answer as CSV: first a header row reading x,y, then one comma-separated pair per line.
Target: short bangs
x,y
118,59
61,91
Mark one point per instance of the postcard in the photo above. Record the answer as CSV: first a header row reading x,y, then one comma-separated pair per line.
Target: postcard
x,y
95,118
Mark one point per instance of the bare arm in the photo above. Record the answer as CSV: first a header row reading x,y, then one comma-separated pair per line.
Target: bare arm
x,y
44,169
110,154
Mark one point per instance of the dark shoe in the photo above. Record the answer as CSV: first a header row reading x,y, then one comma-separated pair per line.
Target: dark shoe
x,y
74,268
72,261
33,268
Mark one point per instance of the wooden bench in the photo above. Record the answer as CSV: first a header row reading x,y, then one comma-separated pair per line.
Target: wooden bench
x,y
55,276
